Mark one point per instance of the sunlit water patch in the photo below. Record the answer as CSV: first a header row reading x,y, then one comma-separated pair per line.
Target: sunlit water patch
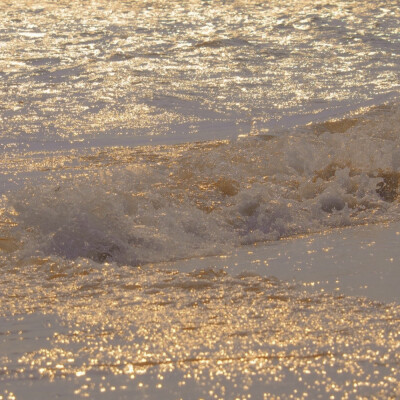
x,y
89,73
87,330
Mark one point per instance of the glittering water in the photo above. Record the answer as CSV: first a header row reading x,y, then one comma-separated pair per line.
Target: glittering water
x,y
124,72
138,133
149,333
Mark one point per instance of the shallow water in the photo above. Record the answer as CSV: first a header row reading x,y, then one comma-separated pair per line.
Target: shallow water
x,y
138,139
81,329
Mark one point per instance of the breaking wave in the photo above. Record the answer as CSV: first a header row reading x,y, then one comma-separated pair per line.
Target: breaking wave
x,y
151,204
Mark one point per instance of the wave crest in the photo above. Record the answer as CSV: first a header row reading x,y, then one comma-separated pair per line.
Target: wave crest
x,y
145,205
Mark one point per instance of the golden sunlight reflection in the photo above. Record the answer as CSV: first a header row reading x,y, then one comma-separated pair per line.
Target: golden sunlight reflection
x,y
203,329
119,160
108,70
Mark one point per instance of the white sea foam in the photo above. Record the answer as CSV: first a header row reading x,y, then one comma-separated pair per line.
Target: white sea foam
x,y
142,205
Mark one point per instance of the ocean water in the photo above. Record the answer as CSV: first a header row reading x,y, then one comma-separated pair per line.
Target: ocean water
x,y
142,144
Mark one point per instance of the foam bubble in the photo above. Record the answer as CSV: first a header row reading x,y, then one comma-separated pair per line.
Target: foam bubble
x,y
145,205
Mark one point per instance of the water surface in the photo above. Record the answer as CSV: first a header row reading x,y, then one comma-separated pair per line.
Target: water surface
x,y
141,137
